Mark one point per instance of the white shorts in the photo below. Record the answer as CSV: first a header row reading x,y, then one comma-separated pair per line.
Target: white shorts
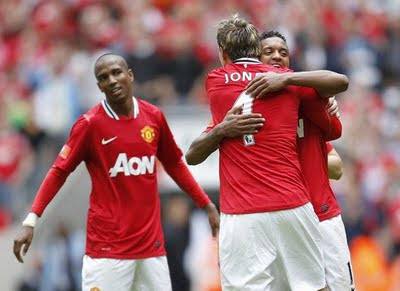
x,y
338,270
124,275
279,250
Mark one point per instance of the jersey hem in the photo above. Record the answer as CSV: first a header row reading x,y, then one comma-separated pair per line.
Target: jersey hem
x,y
265,209
327,216
95,255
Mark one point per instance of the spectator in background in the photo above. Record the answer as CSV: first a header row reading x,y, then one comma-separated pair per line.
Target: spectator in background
x,y
31,279
61,260
54,113
176,214
15,165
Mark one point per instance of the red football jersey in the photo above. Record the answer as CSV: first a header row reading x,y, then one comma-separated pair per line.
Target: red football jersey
x,y
120,155
314,163
266,174
329,147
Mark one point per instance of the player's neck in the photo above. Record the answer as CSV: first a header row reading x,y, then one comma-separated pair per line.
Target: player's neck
x,y
126,108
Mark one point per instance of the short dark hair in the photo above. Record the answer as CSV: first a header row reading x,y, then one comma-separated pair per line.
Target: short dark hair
x,y
271,33
111,54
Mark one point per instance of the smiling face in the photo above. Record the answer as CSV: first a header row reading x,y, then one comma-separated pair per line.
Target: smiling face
x,y
114,78
275,52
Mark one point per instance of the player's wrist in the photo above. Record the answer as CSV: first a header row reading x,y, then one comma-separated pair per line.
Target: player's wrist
x,y
288,79
219,131
210,207
30,220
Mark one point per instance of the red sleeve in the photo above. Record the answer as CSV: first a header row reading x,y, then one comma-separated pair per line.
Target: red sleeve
x,y
307,93
329,147
168,151
315,110
76,147
51,184
70,156
211,77
180,173
336,131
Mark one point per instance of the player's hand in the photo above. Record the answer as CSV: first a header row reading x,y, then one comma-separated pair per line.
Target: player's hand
x,y
213,218
236,124
22,241
266,83
332,107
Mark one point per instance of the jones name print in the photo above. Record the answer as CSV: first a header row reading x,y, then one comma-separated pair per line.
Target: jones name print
x,y
240,76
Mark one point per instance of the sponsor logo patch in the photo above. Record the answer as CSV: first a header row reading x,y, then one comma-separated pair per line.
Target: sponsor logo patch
x,y
133,166
65,151
95,289
148,134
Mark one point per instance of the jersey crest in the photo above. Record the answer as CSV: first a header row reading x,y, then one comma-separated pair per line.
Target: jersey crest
x,y
148,134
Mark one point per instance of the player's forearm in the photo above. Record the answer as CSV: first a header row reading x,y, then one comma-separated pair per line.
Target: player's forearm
x,y
335,167
327,83
336,129
51,184
203,146
180,173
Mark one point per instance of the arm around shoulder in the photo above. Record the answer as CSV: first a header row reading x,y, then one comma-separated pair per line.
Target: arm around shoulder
x,y
234,124
203,146
327,83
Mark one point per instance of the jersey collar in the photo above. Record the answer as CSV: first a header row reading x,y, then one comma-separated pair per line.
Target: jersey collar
x,y
107,108
247,61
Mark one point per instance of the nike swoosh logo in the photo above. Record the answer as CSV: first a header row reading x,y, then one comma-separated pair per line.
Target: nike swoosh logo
x,y
106,141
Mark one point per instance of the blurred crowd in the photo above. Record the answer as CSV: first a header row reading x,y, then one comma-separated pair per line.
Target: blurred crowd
x,y
48,48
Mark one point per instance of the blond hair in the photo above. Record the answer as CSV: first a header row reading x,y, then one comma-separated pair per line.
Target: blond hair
x,y
238,38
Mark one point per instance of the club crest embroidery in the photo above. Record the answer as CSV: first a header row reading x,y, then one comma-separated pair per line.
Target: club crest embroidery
x,y
148,134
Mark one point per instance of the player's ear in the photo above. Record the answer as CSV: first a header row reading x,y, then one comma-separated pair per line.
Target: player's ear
x,y
224,55
131,75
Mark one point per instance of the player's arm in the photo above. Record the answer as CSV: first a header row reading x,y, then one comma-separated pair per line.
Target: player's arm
x,y
171,157
68,159
326,83
336,126
233,125
52,183
336,131
317,111
335,165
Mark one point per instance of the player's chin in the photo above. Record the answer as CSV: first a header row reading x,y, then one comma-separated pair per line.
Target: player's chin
x,y
117,97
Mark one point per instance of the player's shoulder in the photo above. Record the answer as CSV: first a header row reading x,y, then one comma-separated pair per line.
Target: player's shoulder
x,y
144,105
150,110
270,68
93,114
216,73
85,120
